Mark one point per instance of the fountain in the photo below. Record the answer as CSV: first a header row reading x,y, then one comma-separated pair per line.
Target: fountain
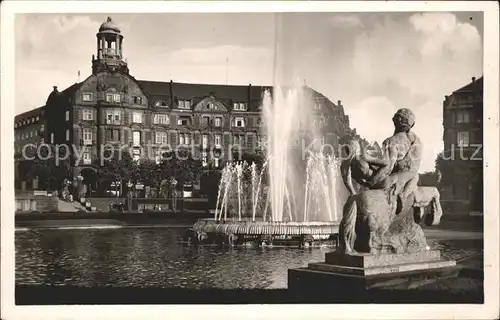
x,y
295,196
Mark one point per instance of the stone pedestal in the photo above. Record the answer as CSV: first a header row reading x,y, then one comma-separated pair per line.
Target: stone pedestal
x,y
353,276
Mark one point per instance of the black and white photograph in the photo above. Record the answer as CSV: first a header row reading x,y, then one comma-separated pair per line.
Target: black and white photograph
x,y
250,153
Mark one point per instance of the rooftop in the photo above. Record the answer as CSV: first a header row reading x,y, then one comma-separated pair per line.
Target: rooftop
x,y
474,85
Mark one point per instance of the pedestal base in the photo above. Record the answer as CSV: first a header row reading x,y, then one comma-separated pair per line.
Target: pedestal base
x,y
353,276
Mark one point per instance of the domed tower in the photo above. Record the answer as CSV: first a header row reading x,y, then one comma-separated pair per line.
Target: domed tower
x,y
109,49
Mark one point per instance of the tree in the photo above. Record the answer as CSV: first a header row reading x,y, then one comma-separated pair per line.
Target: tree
x,y
181,166
49,168
119,169
148,173
209,183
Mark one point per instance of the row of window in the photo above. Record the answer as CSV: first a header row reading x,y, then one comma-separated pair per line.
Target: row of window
x,y
159,138
114,117
26,135
183,104
27,121
87,158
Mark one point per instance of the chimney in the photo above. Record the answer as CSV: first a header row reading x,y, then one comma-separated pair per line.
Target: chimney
x,y
339,102
473,79
55,88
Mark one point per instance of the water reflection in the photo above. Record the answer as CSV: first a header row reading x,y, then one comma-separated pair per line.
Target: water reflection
x,y
145,257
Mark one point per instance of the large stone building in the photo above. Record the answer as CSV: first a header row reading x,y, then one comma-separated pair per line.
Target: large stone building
x,y
463,144
112,107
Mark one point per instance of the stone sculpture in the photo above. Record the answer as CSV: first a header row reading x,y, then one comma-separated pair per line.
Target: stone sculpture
x,y
382,215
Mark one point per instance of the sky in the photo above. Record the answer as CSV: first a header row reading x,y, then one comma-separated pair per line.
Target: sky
x,y
374,63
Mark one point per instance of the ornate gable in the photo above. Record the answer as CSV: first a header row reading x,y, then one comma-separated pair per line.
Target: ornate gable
x,y
210,104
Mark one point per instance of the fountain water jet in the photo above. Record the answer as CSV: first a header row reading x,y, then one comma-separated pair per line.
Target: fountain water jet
x,y
304,194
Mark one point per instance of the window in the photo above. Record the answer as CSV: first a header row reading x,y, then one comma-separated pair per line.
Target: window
x,y
218,140
113,117
463,117
87,114
137,100
205,121
136,138
109,97
204,141
116,97
183,121
36,132
210,106
239,122
158,157
463,139
161,119
216,162
87,97
67,115
87,136
184,138
67,134
217,122
31,134
113,135
87,158
239,139
204,157
37,118
42,127
184,104
137,117
161,137
239,106
161,104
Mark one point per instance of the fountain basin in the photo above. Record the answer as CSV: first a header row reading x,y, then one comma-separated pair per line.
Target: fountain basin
x,y
239,232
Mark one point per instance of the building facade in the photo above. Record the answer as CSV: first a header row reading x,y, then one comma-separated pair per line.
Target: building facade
x,y
463,144
111,107
29,130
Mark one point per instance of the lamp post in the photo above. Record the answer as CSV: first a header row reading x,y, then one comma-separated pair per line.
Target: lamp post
x,y
129,195
173,184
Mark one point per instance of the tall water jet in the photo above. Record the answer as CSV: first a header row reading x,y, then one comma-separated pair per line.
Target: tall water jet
x,y
298,190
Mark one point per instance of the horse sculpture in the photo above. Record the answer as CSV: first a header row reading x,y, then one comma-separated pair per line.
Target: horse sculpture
x,y
370,223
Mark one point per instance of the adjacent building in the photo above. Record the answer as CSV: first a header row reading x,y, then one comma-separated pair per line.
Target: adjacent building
x,y
114,108
29,130
463,144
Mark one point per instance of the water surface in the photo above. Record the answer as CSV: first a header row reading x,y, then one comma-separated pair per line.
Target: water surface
x,y
155,257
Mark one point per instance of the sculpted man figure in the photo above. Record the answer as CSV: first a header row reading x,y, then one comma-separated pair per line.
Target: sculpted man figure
x,y
399,165
371,221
